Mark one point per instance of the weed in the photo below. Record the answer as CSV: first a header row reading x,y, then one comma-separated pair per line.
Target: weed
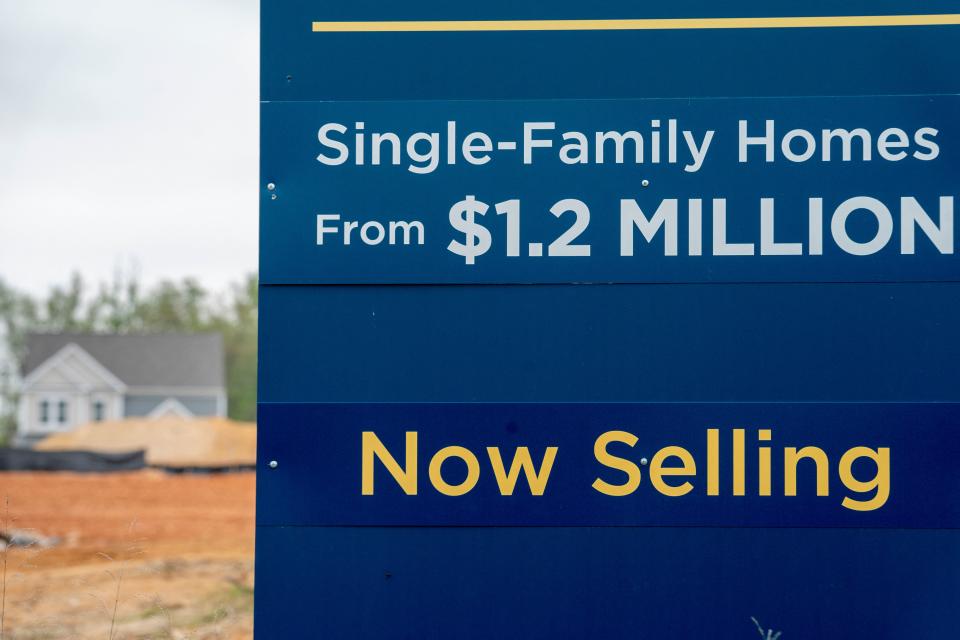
x,y
769,634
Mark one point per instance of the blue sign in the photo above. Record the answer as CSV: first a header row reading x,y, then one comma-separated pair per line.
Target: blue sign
x,y
608,321
728,190
666,464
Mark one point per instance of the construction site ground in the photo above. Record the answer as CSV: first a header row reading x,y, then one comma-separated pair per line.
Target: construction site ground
x,y
137,555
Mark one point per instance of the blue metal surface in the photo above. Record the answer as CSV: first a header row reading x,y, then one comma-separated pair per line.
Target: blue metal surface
x,y
297,64
307,187
833,338
910,465
611,343
619,583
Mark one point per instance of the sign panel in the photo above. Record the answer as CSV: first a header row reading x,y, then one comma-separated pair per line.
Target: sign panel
x,y
864,47
605,582
611,343
599,464
611,322
727,190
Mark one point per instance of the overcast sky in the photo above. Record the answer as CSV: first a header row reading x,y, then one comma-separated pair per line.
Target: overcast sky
x,y
128,135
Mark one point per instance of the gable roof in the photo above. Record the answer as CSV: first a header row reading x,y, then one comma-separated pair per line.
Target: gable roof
x,y
171,408
141,360
87,365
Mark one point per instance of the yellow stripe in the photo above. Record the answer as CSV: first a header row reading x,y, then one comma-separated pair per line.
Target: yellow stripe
x,y
639,24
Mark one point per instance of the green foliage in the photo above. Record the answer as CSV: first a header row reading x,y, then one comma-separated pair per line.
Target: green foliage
x,y
238,326
122,306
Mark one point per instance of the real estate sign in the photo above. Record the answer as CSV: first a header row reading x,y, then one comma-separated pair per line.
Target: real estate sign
x,y
609,321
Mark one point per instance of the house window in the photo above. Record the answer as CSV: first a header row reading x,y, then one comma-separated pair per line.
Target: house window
x,y
44,411
62,412
99,411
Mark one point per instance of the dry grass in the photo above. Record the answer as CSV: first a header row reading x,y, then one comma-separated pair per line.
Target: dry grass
x,y
766,634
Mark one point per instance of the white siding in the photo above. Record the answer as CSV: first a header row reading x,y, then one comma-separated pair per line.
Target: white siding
x,y
69,383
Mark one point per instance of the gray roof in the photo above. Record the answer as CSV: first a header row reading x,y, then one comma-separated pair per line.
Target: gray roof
x,y
141,360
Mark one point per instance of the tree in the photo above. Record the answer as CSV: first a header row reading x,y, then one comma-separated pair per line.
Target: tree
x,y
17,312
238,326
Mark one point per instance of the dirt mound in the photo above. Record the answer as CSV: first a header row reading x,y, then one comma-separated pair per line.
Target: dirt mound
x,y
168,442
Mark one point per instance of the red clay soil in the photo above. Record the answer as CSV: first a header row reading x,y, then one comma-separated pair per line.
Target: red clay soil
x,y
184,544
96,511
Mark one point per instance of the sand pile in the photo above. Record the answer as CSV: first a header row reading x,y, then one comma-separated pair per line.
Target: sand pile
x,y
168,442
